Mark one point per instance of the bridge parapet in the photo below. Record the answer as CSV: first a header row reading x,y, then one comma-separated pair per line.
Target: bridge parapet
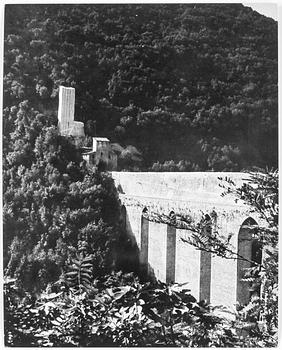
x,y
181,186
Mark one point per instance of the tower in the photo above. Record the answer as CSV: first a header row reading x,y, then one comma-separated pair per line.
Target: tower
x,y
66,124
66,109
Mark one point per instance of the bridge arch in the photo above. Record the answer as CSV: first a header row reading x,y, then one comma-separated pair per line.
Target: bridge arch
x,y
249,254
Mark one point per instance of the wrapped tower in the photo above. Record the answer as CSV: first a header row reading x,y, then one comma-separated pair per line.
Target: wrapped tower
x,y
66,124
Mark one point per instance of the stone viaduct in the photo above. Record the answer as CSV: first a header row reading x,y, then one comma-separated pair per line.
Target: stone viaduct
x,y
161,250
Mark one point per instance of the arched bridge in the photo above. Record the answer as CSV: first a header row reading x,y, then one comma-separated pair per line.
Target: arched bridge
x,y
163,253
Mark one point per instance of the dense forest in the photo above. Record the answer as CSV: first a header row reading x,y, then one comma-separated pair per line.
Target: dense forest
x,y
183,87
192,86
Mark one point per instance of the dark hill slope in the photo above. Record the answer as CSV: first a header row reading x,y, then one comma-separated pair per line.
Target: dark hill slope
x,y
196,83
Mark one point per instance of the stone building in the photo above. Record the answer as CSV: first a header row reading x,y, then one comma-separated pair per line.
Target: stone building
x,y
101,153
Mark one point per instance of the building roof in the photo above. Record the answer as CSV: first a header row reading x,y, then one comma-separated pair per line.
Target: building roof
x,y
103,139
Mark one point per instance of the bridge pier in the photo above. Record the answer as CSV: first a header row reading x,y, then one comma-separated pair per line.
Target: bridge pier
x,y
170,254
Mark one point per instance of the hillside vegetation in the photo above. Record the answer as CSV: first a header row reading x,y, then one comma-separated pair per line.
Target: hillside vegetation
x,y
175,87
192,86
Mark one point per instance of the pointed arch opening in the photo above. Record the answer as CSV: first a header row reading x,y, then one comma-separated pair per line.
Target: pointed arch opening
x,y
144,249
249,255
144,211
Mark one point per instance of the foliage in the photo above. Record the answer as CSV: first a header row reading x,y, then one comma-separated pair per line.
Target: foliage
x,y
51,201
195,83
182,165
261,194
129,158
118,311
81,270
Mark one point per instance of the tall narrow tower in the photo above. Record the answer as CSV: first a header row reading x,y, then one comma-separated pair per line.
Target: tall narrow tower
x,y
66,123
66,109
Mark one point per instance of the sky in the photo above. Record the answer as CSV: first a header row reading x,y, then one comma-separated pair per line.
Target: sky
x,y
267,9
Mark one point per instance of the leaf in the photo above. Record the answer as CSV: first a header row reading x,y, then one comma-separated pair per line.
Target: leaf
x,y
86,265
86,273
55,323
72,274
87,259
52,295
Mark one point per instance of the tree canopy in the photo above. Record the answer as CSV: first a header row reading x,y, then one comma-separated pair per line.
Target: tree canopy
x,y
192,83
52,201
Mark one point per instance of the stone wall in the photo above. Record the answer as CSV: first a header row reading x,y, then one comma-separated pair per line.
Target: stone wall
x,y
187,266
162,252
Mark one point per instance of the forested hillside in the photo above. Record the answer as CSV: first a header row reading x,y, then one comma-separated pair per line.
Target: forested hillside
x,y
194,86
188,87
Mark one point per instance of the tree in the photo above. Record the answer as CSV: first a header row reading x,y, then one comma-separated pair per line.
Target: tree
x,y
129,157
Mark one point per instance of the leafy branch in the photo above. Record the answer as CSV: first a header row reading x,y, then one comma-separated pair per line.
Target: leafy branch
x,y
200,235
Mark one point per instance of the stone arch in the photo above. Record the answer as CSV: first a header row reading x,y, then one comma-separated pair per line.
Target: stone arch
x,y
144,246
205,263
249,248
